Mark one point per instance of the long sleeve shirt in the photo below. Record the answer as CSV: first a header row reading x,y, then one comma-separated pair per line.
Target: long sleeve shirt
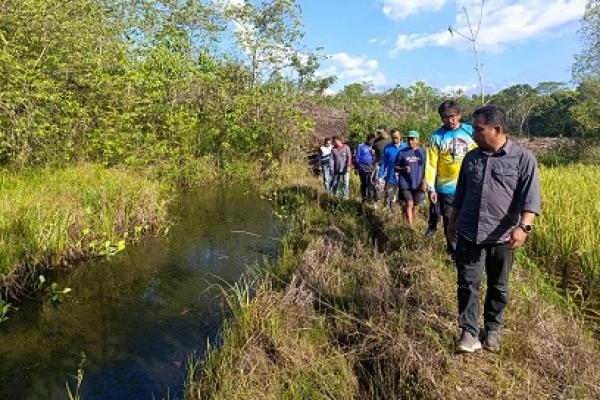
x,y
388,160
493,190
341,159
445,154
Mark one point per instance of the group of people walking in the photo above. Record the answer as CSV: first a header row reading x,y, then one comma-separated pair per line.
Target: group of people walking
x,y
483,186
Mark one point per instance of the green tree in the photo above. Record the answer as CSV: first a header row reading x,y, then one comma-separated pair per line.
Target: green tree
x,y
587,63
552,115
586,71
306,67
268,31
519,101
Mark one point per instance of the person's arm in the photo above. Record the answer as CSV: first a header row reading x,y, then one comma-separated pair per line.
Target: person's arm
x,y
331,161
530,199
457,203
431,170
400,163
384,166
423,180
349,153
518,236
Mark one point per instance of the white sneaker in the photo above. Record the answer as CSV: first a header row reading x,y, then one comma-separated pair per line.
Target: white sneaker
x,y
468,343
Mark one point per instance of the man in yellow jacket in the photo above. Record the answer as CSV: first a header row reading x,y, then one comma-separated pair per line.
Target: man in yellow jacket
x,y
447,148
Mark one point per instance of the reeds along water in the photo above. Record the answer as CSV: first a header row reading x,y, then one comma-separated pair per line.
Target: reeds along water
x,y
53,217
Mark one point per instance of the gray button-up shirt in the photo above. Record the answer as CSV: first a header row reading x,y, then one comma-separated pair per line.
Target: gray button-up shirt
x,y
493,190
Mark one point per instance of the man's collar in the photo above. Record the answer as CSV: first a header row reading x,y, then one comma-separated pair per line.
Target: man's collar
x,y
504,150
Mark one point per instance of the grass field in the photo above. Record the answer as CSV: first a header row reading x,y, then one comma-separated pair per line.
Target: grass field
x,y
53,218
566,239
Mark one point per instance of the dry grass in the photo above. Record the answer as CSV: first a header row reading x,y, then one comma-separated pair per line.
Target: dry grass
x,y
275,347
391,316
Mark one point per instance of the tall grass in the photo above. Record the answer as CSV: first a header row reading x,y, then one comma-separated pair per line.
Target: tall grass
x,y
388,318
274,347
50,218
566,239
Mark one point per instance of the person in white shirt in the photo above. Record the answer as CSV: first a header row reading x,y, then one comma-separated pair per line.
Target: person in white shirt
x,y
324,156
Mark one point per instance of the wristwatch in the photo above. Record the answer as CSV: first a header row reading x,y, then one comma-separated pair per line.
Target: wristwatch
x,y
526,227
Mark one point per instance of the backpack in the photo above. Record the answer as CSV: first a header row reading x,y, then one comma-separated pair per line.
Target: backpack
x,y
363,155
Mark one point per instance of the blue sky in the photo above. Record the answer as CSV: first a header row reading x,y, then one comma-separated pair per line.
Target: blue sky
x,y
391,42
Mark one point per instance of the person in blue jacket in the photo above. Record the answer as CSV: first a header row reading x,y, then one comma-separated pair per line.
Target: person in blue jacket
x,y
364,162
410,166
386,174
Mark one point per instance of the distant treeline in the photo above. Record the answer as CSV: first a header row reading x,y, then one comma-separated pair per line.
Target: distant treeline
x,y
550,109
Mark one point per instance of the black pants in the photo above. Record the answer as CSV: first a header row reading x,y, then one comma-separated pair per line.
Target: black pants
x,y
471,260
443,208
434,215
365,182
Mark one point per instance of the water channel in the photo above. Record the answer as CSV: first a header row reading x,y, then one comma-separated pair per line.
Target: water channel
x,y
138,315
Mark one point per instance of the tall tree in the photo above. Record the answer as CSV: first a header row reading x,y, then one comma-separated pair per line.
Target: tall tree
x,y
519,102
268,32
587,63
586,71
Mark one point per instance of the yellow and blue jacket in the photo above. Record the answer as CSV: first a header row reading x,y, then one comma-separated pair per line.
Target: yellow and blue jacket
x,y
445,154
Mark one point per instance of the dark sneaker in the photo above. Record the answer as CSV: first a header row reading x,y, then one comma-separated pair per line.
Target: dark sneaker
x,y
429,233
492,341
468,343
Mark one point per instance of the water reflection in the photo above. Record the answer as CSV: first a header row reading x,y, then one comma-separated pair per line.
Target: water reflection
x,y
138,315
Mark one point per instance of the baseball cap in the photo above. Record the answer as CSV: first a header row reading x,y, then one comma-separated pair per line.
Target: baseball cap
x,y
412,134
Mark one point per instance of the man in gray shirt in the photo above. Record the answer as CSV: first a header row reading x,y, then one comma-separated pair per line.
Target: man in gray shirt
x,y
497,198
340,164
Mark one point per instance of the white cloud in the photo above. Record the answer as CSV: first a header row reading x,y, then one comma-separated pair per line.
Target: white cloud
x,y
453,89
504,21
400,9
380,42
350,69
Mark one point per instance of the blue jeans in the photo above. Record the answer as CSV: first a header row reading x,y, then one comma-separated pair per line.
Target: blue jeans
x,y
326,172
344,188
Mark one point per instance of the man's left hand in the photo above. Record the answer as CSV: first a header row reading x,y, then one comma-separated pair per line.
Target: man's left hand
x,y
517,238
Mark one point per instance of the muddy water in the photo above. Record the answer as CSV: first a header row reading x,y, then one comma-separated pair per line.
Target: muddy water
x,y
137,316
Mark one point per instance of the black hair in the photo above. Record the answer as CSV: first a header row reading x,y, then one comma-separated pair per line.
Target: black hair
x,y
337,137
382,127
370,137
493,115
327,139
395,130
449,105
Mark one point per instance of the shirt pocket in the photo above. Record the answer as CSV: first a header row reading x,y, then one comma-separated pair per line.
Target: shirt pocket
x,y
474,171
505,177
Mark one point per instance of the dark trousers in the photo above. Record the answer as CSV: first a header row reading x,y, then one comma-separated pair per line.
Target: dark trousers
x,y
365,182
444,209
434,215
471,260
